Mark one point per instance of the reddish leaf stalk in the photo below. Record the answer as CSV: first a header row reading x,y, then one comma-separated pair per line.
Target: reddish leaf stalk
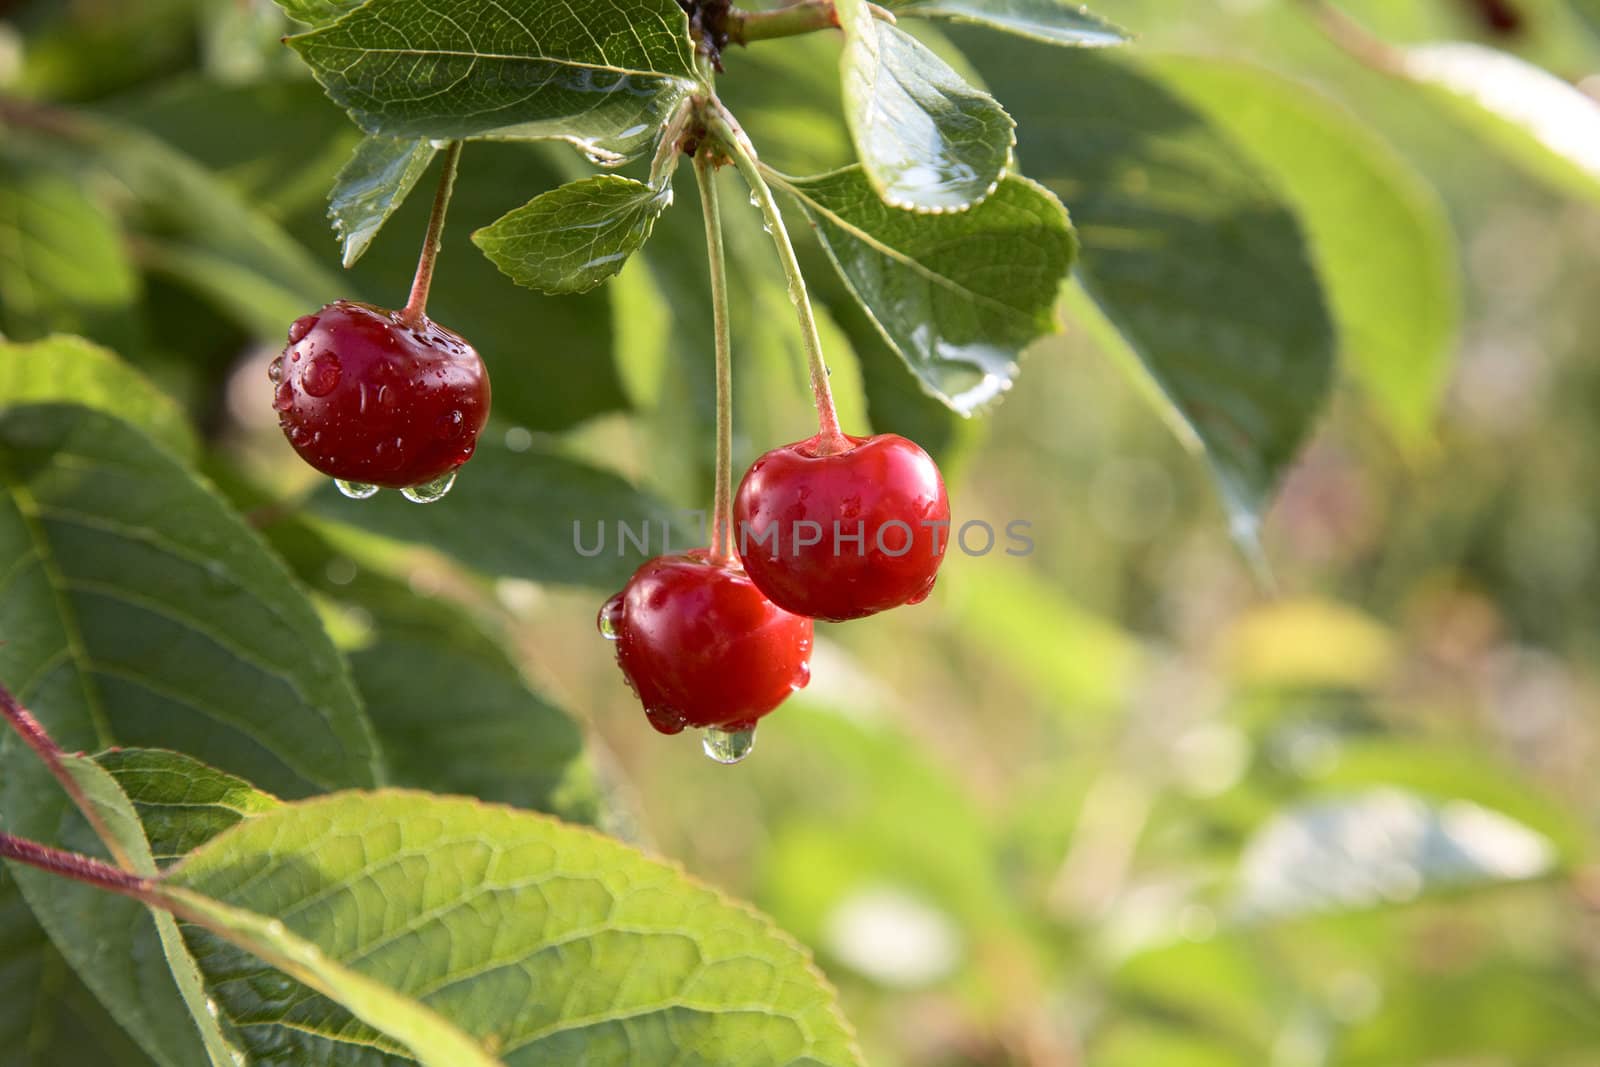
x,y
34,736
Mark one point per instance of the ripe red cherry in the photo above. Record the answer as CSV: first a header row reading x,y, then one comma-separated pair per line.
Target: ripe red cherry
x,y
839,535
367,398
701,646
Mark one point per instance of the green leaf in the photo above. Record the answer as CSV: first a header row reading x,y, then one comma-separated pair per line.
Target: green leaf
x,y
71,370
318,12
415,1029
549,944
571,239
531,514
193,803
181,802
1398,312
138,609
371,186
1060,22
1381,846
603,75
198,230
63,267
927,139
47,1015
958,296
421,654
1549,126
133,960
1188,251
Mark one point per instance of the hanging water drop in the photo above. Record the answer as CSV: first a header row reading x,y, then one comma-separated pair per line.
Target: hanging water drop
x,y
355,490
755,201
728,746
610,619
429,492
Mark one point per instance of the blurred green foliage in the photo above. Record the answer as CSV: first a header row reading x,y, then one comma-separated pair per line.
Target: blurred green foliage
x,y
1112,803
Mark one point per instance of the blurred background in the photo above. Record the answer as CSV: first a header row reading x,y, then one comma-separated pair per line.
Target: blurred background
x,y
1117,802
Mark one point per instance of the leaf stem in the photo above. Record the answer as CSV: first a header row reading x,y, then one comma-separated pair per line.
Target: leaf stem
x,y
73,865
43,745
417,306
733,140
705,172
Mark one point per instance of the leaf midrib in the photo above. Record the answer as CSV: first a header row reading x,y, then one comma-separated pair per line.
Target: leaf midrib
x,y
28,509
500,57
905,260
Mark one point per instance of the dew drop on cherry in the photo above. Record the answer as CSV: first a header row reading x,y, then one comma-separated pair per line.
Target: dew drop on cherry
x,y
321,375
355,490
609,621
283,397
728,746
430,492
300,327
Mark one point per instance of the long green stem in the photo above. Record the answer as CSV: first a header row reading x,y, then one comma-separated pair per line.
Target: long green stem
x,y
737,145
805,17
417,306
705,173
791,20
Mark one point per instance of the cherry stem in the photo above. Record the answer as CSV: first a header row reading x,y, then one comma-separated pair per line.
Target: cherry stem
x,y
1360,43
35,737
743,154
78,867
417,306
705,173
806,17
791,20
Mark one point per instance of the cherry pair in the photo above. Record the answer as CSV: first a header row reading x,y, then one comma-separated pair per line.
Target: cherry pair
x,y
832,527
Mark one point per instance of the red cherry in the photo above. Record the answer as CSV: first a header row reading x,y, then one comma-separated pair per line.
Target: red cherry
x,y
701,646
367,398
839,535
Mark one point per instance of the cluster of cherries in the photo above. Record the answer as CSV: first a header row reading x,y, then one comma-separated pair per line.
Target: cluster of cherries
x,y
833,527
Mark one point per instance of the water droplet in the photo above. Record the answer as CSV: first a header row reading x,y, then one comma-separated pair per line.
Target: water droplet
x,y
301,327
726,746
283,399
922,594
802,678
755,201
610,618
429,492
450,424
797,292
664,720
275,369
355,490
321,375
